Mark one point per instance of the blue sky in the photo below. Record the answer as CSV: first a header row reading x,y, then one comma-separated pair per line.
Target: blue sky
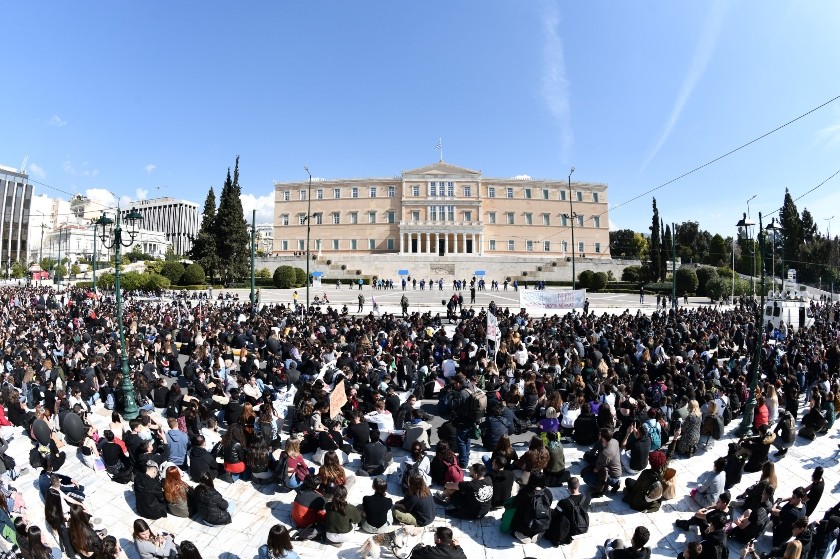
x,y
154,98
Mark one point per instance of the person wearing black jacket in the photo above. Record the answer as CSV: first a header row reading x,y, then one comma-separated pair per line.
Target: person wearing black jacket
x,y
375,456
358,432
494,427
445,547
714,540
148,492
586,427
802,533
212,507
201,460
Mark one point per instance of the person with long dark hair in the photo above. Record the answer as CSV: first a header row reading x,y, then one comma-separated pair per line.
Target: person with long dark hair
x,y
85,540
234,444
188,550
54,516
37,548
341,517
150,545
278,546
111,549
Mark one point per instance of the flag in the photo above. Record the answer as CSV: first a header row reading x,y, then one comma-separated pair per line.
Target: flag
x,y
439,145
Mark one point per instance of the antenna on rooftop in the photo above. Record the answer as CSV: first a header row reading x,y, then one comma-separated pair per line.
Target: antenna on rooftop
x,y
23,165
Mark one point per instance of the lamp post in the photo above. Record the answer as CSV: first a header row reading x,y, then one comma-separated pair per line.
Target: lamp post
x,y
752,277
41,255
774,227
308,227
745,223
749,406
58,266
114,233
253,239
572,218
830,255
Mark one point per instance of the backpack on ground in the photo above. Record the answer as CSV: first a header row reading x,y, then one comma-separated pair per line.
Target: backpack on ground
x,y
453,473
540,512
281,471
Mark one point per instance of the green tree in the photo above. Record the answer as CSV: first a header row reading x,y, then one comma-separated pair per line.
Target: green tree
x,y
173,271
585,279
705,274
105,280
154,267
300,277
284,277
809,228
155,282
718,288
655,246
667,247
131,281
204,245
632,274
718,253
193,275
641,245
170,255
263,273
622,243
231,230
599,281
686,281
791,230
18,270
75,270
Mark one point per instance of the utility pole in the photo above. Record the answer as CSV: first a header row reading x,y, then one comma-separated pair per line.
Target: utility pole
x,y
308,228
572,218
674,265
749,406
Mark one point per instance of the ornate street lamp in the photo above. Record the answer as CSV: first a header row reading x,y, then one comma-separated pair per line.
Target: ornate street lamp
x,y
111,235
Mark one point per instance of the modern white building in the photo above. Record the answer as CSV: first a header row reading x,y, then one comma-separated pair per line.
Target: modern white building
x,y
179,220
77,244
14,214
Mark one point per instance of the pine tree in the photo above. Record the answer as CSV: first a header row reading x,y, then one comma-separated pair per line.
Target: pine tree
x,y
204,245
231,230
791,230
666,248
655,245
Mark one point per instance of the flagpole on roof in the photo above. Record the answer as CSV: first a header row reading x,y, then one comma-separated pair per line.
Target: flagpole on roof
x,y
439,148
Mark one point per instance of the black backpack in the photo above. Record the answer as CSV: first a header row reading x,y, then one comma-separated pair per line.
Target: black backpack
x,y
580,519
540,513
281,472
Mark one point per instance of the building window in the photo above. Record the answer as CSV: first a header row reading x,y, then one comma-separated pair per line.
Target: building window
x,y
415,190
287,195
301,244
529,218
527,193
579,221
562,194
491,192
284,245
354,244
596,221
491,218
301,219
510,192
319,218
596,197
545,194
511,245
433,189
598,247
336,244
433,213
371,244
373,192
392,191
580,196
492,244
509,218
564,220
336,218
319,194
392,216
415,216
354,218
529,246
467,191
547,246
354,192
284,219
371,217
450,190
302,194
336,193
546,219
580,246
390,244
467,216
450,213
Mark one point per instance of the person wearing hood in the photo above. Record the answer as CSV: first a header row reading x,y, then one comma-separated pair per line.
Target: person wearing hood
x,y
148,491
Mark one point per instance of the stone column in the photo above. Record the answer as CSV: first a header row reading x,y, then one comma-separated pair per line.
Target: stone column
x,y
402,243
435,237
455,248
446,243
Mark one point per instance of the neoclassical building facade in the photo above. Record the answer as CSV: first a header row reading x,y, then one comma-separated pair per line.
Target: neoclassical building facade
x,y
442,209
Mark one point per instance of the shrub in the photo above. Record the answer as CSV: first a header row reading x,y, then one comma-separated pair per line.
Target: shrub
x,y
585,279
632,274
598,282
263,273
686,281
193,275
173,271
284,277
156,282
705,274
717,288
300,277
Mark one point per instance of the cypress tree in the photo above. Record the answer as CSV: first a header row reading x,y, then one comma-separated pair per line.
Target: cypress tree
x,y
791,230
231,230
204,245
655,245
666,250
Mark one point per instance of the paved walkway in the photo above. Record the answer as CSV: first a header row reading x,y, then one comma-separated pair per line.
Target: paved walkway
x,y
258,507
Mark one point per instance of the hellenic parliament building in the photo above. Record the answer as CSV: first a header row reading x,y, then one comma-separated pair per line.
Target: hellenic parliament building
x,y
441,212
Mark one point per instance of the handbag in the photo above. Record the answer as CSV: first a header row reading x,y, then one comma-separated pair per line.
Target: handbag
x,y
669,484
